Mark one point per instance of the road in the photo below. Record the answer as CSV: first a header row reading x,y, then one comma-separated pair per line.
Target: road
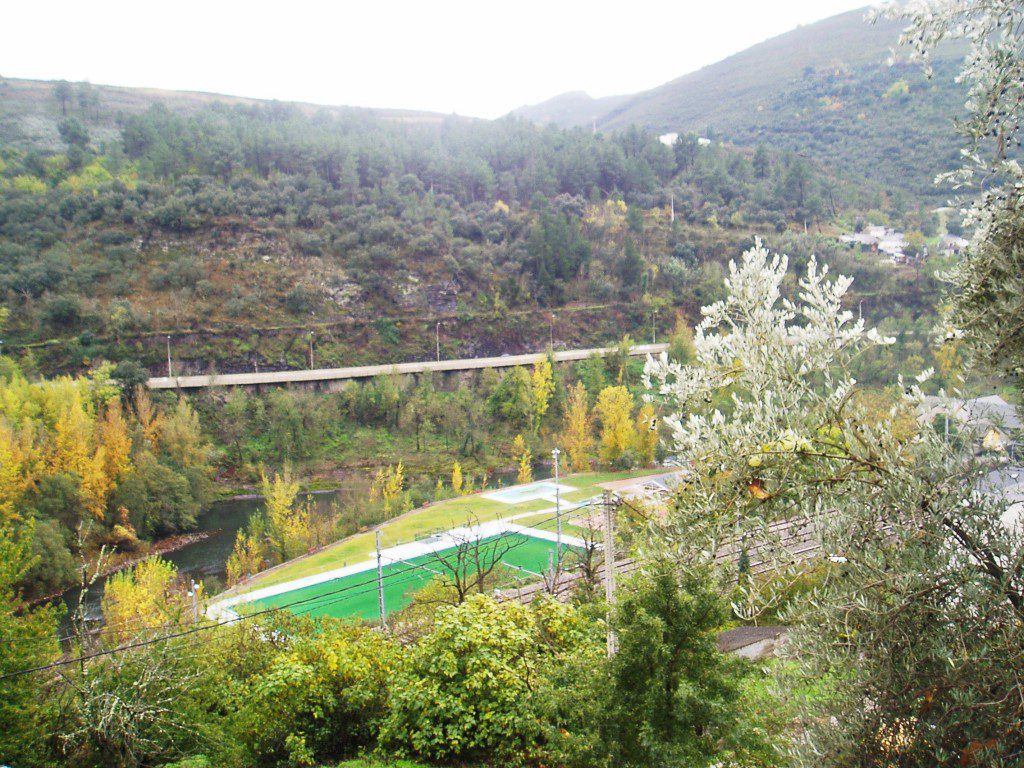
x,y
369,371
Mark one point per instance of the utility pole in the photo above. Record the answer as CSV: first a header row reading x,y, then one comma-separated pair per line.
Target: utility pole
x,y
672,206
558,511
311,366
437,340
552,573
168,356
380,587
551,333
194,594
654,327
609,570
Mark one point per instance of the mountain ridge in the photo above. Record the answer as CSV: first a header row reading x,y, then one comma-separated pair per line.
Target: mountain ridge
x,y
570,109
824,88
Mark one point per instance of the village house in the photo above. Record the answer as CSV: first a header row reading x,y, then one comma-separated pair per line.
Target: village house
x,y
879,239
952,244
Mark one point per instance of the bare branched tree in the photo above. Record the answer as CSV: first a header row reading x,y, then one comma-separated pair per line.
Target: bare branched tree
x,y
468,567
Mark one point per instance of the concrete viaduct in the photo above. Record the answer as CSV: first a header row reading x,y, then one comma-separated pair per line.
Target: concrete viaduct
x,y
316,376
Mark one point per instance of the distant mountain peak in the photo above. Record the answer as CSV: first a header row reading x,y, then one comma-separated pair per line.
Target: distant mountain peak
x,y
823,89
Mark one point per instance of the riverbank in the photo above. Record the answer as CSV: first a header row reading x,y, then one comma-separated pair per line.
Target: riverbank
x,y
95,569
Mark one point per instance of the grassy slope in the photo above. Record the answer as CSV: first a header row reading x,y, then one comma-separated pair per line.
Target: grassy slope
x,y
424,522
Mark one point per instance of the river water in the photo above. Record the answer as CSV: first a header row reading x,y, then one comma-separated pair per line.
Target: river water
x,y
203,560
206,560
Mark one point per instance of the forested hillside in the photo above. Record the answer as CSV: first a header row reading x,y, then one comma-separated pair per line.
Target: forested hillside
x,y
246,232
824,90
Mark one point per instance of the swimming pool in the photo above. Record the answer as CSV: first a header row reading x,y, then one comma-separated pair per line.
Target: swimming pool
x,y
517,494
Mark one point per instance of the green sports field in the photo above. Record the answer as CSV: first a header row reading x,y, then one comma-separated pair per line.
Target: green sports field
x,y
422,522
355,596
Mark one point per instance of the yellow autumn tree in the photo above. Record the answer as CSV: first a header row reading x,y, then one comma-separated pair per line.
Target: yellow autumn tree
x,y
618,433
524,459
74,449
146,414
112,434
97,485
144,597
71,447
16,470
248,556
456,479
578,429
950,363
542,387
646,435
287,522
389,486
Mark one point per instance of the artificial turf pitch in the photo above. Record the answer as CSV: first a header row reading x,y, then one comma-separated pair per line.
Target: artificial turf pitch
x,y
355,596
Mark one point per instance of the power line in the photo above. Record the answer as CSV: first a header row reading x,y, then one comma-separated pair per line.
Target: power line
x,y
176,635
237,618
110,628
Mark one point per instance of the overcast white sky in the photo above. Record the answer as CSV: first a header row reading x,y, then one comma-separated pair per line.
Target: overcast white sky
x,y
475,58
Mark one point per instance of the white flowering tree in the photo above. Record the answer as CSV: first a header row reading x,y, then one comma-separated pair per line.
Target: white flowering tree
x,y
987,286
767,417
913,632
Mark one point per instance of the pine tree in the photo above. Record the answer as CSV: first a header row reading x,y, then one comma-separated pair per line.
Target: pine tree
x,y
631,267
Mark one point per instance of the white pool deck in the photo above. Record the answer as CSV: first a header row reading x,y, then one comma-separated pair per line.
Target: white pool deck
x,y
519,494
221,609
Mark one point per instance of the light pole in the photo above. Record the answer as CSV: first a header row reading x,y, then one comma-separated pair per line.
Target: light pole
x,y
310,350
551,333
654,326
168,356
558,516
437,340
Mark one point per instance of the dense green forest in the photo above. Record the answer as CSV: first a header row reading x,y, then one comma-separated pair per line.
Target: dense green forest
x,y
824,90
240,229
